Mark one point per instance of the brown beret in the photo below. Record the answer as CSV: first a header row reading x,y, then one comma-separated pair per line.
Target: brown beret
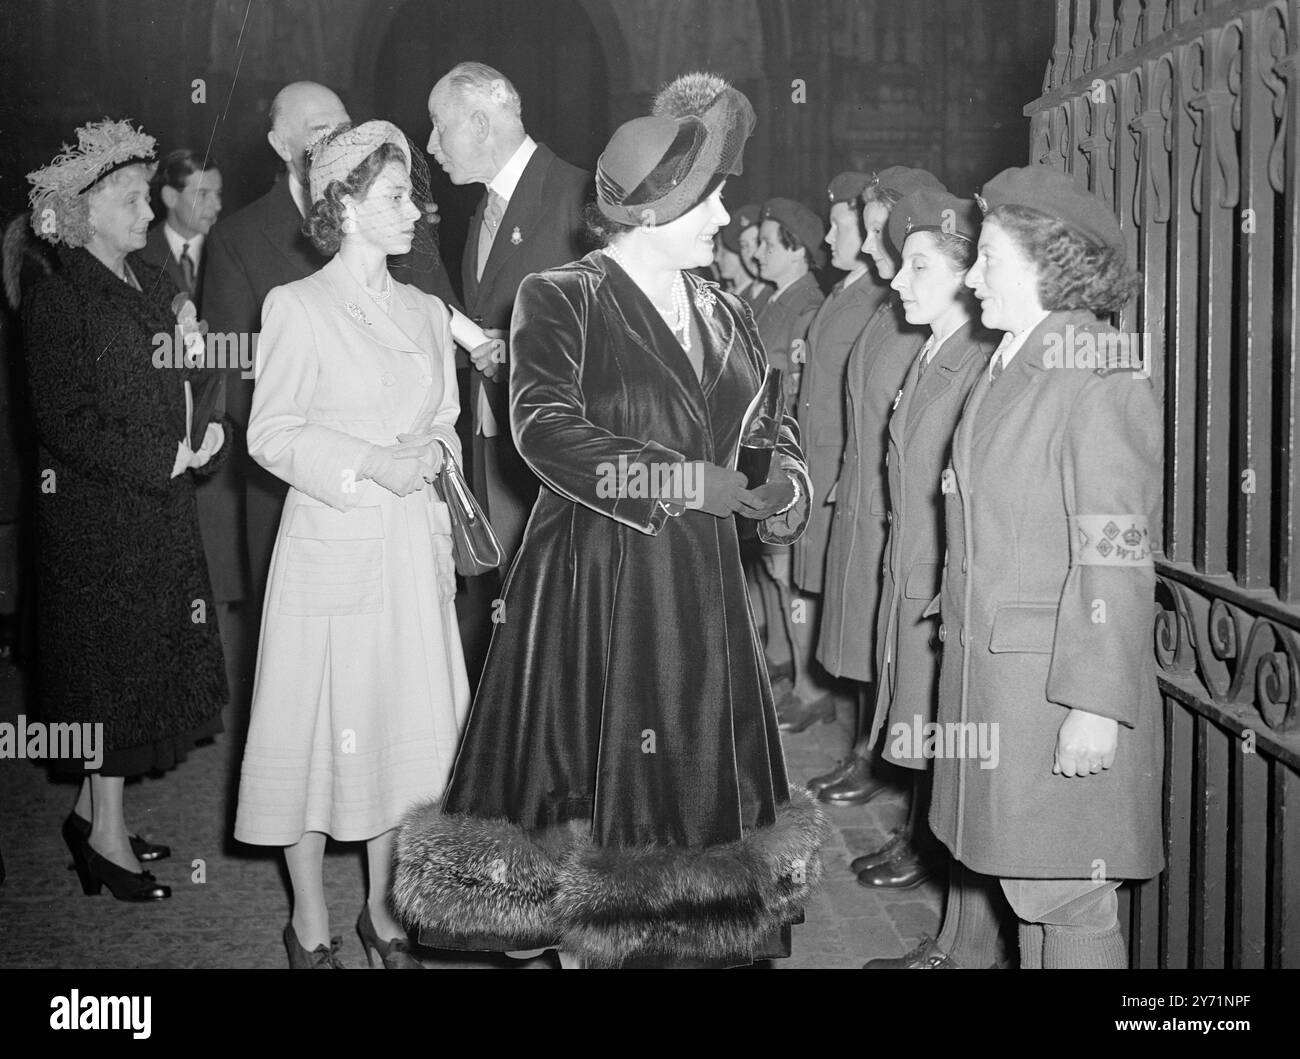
x,y
1051,192
743,218
903,180
847,187
928,210
799,221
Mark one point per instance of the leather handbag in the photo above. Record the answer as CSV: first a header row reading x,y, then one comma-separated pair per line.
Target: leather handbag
x,y
475,547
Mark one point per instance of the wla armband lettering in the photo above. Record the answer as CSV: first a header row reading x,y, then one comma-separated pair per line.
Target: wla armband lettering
x,y
1110,540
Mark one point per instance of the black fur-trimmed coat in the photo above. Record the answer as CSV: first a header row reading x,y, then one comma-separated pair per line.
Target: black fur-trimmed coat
x,y
620,790
122,582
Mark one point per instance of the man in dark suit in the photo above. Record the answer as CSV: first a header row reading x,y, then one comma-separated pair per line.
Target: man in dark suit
x,y
187,192
262,246
187,188
531,219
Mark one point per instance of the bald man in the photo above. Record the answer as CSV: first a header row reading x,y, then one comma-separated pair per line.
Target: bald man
x,y
253,250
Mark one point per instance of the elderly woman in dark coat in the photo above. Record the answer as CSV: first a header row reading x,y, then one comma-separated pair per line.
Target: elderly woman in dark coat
x,y
620,792
1049,586
127,628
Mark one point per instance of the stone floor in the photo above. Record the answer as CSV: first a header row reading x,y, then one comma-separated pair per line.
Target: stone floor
x,y
229,901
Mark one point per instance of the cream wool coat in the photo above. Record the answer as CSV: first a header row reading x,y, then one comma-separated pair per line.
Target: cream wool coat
x,y
361,688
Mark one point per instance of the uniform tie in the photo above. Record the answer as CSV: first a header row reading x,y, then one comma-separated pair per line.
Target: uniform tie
x,y
923,361
996,366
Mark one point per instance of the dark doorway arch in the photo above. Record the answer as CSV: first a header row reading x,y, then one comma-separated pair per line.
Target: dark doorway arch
x,y
553,54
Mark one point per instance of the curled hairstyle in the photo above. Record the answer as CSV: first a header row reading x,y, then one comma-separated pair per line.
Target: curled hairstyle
x,y
324,224
877,195
72,210
600,229
1073,272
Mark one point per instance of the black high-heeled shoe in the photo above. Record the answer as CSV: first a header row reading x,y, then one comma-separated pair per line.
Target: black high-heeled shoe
x,y
144,851
321,958
395,954
96,872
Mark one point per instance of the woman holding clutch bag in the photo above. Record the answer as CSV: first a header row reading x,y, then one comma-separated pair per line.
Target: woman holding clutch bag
x,y
620,793
361,687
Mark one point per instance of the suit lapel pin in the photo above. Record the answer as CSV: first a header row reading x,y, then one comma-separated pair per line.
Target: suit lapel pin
x,y
515,237
358,313
704,296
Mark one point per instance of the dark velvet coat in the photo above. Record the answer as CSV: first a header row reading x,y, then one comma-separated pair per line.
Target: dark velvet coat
x,y
1048,602
625,692
121,568
878,364
920,442
609,598
842,317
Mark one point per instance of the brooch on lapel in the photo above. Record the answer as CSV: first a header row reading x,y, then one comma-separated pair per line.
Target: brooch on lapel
x,y
515,237
358,313
707,302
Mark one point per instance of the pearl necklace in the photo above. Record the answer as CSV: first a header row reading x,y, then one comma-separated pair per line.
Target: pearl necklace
x,y
381,297
679,322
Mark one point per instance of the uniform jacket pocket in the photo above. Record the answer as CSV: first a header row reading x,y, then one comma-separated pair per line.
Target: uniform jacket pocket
x,y
876,504
1027,627
829,437
334,563
923,580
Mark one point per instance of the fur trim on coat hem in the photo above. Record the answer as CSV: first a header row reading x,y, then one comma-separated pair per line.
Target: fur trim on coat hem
x,y
461,876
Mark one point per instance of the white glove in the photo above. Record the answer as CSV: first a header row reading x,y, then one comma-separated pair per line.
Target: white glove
x,y
213,438
427,447
398,468
184,454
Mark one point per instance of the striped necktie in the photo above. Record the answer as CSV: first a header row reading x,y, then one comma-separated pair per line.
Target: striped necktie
x,y
492,214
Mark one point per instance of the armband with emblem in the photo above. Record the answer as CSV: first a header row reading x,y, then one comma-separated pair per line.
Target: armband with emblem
x,y
1110,540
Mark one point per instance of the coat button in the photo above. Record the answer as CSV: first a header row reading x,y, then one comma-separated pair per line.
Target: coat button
x,y
943,633
388,379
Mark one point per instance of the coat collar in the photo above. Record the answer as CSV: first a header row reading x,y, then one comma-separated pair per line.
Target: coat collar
x,y
627,308
1026,366
85,270
920,392
405,329
800,292
283,228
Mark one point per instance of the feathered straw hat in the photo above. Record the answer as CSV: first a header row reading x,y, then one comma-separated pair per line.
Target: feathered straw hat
x,y
59,198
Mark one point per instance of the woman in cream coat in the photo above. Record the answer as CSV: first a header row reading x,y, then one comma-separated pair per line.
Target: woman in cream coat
x,y
361,686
